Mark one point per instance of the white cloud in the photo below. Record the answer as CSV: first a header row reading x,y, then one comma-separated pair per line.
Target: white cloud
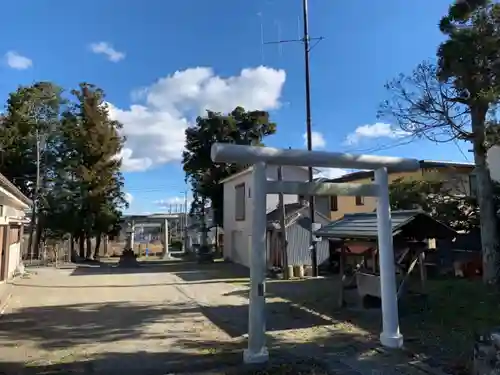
x,y
17,61
377,130
106,49
155,129
129,197
331,172
317,140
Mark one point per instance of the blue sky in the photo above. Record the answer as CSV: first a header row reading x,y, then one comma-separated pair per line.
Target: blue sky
x,y
163,62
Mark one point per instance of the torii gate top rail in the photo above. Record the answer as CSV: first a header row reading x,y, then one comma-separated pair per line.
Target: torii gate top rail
x,y
231,153
259,157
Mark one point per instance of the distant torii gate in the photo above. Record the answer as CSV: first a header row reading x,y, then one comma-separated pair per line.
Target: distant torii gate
x,y
158,219
259,157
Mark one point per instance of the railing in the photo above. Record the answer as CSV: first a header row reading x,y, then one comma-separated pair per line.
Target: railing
x,y
51,254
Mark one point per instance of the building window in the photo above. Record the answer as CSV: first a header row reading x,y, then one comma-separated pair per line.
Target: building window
x,y
360,201
334,203
473,185
239,204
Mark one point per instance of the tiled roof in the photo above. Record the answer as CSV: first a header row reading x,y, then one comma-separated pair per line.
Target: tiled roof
x,y
364,225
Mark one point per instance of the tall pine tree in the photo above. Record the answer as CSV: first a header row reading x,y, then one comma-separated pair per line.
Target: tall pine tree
x,y
92,142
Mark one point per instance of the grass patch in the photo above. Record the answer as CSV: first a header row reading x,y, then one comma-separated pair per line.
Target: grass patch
x,y
442,325
455,310
293,368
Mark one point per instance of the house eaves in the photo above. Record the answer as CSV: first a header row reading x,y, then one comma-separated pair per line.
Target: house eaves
x,y
250,169
354,176
11,188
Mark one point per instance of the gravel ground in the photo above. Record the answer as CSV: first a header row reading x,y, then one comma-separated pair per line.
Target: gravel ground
x,y
162,318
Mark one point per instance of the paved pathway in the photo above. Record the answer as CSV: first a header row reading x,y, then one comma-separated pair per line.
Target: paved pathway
x,y
160,319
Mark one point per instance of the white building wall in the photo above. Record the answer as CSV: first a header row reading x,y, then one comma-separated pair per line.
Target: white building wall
x,y
237,234
9,211
15,256
494,162
14,259
230,224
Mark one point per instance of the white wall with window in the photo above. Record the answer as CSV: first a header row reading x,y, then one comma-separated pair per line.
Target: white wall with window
x,y
238,208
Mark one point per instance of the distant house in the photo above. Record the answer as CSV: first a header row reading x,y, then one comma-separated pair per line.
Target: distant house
x,y
458,177
238,201
13,207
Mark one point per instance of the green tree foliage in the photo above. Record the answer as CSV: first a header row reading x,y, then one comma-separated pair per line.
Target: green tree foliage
x,y
93,142
81,187
31,116
31,122
458,211
457,98
239,127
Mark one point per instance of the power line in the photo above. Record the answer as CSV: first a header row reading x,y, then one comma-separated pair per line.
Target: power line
x,y
460,149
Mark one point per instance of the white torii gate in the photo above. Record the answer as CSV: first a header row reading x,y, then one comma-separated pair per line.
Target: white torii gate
x,y
259,157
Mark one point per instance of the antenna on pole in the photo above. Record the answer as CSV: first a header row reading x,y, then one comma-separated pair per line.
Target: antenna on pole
x,y
278,27
261,37
300,39
298,28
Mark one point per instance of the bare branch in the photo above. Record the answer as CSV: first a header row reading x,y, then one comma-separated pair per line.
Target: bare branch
x,y
426,107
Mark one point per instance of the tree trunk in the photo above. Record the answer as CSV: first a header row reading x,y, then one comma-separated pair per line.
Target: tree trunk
x,y
204,229
38,238
106,242
485,197
88,241
31,251
72,248
81,245
98,239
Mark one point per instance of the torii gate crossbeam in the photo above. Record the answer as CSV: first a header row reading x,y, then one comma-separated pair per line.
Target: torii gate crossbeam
x,y
259,157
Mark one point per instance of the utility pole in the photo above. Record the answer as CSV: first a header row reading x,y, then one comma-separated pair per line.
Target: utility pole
x,y
34,220
314,255
306,41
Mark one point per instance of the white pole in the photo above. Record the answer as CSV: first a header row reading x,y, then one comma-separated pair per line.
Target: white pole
x,y
257,351
132,236
390,336
165,240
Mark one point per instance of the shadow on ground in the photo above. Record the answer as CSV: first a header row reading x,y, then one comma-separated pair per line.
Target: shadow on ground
x,y
54,327
425,323
74,327
280,316
282,362
187,270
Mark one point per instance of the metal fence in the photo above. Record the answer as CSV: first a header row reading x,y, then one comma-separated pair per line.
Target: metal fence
x,y
52,253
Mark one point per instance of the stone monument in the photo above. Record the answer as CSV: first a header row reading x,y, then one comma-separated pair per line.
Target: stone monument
x,y
128,257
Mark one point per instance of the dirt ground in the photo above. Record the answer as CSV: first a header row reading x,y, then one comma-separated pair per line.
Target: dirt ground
x,y
167,315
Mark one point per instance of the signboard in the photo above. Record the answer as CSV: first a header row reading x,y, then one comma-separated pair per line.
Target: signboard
x,y
142,237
